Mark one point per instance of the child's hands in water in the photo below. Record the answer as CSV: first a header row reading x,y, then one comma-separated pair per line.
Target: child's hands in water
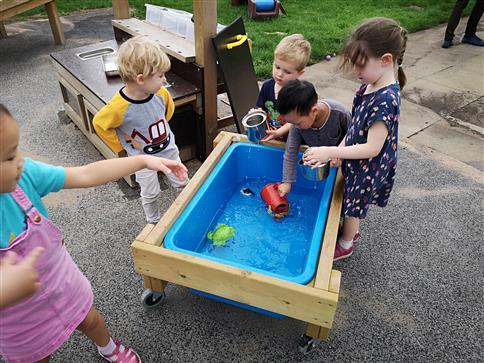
x,y
316,156
167,166
18,280
336,162
284,189
271,134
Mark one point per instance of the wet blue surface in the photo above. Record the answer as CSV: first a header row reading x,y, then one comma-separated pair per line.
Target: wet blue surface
x,y
286,248
261,241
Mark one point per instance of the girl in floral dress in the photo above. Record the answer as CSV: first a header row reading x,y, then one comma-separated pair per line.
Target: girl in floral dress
x,y
368,154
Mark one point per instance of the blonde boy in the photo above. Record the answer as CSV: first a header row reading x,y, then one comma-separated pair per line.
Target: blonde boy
x,y
136,118
290,58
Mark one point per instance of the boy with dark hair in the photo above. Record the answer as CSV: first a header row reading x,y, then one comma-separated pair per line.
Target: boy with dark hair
x,y
316,122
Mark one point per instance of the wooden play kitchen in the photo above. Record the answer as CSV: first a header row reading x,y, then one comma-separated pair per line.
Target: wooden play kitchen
x,y
313,302
86,89
192,80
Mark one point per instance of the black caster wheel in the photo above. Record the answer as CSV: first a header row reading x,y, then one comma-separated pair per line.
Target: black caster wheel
x,y
152,299
307,344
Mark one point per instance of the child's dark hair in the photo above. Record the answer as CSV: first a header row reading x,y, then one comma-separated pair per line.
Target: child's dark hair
x,y
297,95
4,111
373,38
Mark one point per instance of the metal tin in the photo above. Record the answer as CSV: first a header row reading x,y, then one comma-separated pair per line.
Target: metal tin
x,y
110,65
256,125
319,173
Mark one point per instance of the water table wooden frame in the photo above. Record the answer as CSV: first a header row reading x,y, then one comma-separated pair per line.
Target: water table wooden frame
x,y
314,303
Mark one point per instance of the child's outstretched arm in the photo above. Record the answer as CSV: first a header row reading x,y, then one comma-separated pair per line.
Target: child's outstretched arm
x,y
294,140
376,138
20,280
275,134
104,171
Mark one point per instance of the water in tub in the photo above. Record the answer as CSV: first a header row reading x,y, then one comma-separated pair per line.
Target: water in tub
x,y
261,241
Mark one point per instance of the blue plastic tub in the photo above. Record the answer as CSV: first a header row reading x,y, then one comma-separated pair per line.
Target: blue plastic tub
x,y
285,248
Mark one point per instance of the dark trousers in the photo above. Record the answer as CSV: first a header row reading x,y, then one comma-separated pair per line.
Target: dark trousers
x,y
471,23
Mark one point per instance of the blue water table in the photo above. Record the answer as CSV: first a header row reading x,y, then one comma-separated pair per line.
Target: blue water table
x,y
280,267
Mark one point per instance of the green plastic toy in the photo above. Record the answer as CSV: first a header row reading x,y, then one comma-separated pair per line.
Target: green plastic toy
x,y
221,234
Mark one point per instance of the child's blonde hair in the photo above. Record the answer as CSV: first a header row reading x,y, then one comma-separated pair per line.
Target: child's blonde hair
x,y
140,55
294,49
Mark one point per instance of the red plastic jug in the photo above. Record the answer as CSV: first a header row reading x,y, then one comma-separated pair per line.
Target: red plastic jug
x,y
277,204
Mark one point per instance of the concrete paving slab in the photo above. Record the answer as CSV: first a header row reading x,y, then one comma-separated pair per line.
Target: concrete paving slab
x,y
433,37
468,48
324,68
440,98
460,79
472,113
341,94
425,52
445,80
475,64
431,60
426,66
453,142
415,118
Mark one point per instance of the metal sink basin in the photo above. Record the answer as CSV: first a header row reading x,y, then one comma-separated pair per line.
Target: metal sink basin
x,y
96,53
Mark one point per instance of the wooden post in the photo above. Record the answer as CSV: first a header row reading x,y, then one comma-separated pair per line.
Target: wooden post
x,y
205,14
3,32
120,9
55,23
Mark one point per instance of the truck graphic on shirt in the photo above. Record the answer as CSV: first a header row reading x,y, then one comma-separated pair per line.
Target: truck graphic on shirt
x,y
157,140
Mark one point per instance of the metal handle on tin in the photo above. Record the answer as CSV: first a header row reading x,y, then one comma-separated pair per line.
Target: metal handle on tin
x,y
240,40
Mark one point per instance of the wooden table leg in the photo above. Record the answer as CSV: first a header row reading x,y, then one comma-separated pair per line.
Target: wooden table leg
x,y
317,332
154,284
55,23
3,32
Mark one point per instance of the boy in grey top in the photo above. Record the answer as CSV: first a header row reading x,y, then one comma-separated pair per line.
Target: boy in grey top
x,y
312,121
136,118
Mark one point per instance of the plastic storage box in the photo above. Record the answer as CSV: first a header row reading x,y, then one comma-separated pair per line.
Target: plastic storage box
x,y
173,20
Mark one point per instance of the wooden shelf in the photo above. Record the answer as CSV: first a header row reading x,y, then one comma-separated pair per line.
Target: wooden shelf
x,y
175,45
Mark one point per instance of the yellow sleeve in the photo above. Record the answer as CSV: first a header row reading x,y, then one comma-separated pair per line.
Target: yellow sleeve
x,y
169,104
107,119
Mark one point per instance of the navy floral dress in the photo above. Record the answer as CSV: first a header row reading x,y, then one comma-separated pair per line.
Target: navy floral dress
x,y
370,181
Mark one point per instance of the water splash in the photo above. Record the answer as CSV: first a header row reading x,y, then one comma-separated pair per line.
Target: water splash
x,y
276,245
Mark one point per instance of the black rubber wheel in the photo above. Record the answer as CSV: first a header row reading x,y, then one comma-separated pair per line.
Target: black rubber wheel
x,y
307,344
152,299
